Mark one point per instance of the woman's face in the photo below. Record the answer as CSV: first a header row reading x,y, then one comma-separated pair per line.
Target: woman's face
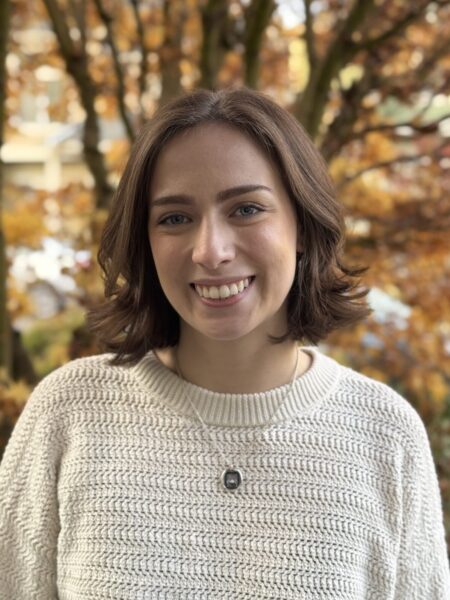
x,y
205,233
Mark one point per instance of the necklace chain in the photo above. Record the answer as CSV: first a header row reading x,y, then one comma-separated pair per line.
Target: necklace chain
x,y
232,476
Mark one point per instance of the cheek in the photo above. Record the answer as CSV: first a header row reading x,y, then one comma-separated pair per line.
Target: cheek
x,y
165,258
276,248
275,245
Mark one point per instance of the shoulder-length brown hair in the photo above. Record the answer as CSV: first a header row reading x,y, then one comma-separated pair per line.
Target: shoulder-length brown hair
x,y
136,316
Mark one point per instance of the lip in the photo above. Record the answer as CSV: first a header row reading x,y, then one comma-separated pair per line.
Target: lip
x,y
226,301
218,282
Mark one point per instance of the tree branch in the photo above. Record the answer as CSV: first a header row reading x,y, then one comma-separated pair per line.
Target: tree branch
x,y
79,13
5,332
340,130
170,53
416,220
121,90
342,126
420,128
388,163
76,65
310,106
439,51
397,28
257,17
309,35
144,52
213,15
68,49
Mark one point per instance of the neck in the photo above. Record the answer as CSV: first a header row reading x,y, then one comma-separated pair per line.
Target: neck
x,y
238,367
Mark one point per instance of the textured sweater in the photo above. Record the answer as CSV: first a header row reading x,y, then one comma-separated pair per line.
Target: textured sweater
x,y
110,488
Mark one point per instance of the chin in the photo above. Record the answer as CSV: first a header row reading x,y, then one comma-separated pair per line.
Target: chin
x,y
225,336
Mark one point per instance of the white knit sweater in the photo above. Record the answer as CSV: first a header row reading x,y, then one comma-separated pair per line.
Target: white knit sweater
x,y
110,489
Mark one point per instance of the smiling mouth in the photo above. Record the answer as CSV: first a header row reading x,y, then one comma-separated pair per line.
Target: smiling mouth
x,y
223,292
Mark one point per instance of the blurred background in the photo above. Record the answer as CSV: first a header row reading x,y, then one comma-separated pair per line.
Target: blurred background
x,y
368,79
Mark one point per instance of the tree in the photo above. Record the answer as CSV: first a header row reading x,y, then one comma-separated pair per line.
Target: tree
x,y
5,335
367,79
76,60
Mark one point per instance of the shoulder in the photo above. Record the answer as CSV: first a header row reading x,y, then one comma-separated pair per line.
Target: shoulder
x,y
84,371
80,382
386,409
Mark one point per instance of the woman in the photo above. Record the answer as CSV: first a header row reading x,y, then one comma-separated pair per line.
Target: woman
x,y
207,454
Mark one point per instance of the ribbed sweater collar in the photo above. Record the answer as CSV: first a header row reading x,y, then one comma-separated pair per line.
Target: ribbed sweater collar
x,y
216,408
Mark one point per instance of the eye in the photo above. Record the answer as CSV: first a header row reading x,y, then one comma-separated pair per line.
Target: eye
x,y
172,220
248,210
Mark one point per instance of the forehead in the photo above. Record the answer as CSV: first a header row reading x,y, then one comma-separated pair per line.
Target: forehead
x,y
209,154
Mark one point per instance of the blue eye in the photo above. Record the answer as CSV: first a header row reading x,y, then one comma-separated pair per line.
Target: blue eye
x,y
252,207
170,220
176,219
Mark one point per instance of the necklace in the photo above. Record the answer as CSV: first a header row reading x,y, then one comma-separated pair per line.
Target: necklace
x,y
231,477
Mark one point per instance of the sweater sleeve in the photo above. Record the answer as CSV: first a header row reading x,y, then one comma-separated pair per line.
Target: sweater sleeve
x,y
423,564
29,521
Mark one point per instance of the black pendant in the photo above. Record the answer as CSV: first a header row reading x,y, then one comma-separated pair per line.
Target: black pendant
x,y
232,479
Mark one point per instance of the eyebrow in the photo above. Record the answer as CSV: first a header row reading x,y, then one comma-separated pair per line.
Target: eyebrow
x,y
221,196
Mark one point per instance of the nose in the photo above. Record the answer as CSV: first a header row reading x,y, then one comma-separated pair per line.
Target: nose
x,y
213,244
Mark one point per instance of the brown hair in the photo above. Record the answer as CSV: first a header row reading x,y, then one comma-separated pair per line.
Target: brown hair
x,y
136,315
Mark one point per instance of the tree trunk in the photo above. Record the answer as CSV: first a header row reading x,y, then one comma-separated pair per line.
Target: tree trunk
x,y
257,17
170,53
214,15
144,59
310,106
120,77
5,336
76,65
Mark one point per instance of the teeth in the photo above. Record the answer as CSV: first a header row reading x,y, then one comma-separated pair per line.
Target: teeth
x,y
224,291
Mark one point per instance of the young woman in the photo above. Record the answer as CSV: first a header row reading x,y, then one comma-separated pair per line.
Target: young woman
x,y
207,454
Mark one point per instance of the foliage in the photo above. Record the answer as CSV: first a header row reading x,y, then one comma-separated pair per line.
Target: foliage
x,y
368,80
49,341
13,396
